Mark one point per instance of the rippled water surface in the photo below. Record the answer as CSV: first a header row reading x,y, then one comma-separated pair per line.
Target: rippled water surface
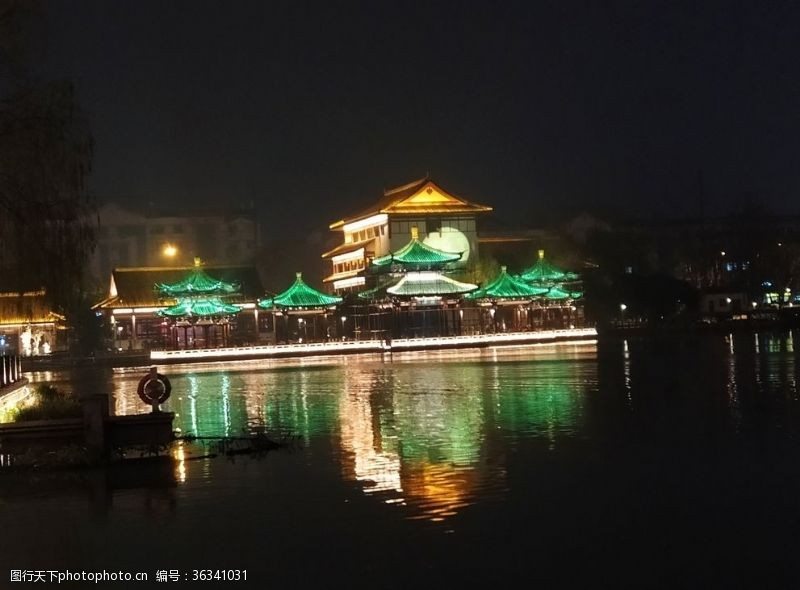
x,y
658,463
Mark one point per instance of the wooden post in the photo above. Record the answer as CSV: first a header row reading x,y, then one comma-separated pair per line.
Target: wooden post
x,y
95,412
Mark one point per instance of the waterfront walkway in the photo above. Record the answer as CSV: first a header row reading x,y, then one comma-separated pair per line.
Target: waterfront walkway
x,y
372,346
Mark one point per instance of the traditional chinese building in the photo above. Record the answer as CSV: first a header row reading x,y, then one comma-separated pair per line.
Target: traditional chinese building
x,y
444,221
543,301
302,314
413,293
152,308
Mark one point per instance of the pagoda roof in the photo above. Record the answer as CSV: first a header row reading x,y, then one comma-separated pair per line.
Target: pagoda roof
x,y
419,197
197,282
133,286
504,286
417,254
300,296
559,293
199,307
428,283
545,272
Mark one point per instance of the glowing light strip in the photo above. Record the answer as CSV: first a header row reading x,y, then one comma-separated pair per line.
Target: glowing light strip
x,y
122,310
354,255
379,219
575,336
587,333
345,283
319,347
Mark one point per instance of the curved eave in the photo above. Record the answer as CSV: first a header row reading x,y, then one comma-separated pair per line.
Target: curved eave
x,y
347,248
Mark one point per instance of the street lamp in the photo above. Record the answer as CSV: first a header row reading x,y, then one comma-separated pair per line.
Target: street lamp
x,y
344,319
622,308
169,251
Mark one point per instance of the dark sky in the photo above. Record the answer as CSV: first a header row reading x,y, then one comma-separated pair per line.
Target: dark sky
x,y
538,108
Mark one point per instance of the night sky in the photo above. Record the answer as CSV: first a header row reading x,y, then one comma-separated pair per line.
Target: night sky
x,y
541,109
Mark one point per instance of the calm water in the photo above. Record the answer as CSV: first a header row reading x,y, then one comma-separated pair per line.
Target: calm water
x,y
669,463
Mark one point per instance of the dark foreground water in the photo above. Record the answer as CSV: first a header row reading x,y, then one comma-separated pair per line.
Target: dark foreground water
x,y
645,463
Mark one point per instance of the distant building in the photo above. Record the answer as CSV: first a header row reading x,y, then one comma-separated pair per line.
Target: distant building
x,y
444,221
150,237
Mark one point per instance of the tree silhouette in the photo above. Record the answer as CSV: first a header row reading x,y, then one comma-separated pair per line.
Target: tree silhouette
x,y
47,217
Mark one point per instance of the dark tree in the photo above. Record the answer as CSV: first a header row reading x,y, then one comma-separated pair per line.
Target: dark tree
x,y
47,218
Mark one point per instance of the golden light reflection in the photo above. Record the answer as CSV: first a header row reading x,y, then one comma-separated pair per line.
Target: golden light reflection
x,y
440,489
371,463
180,462
416,436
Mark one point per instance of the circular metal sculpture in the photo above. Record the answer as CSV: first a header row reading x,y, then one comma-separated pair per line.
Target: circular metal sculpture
x,y
154,388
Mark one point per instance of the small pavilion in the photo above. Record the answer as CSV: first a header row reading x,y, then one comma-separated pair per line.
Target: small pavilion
x,y
199,314
306,312
509,302
543,272
558,307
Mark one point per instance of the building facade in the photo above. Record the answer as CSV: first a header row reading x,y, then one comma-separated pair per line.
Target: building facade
x,y
443,221
151,237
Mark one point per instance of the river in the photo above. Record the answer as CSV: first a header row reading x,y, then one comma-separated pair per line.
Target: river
x,y
658,463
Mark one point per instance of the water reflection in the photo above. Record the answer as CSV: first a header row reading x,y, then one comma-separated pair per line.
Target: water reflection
x,y
656,438
415,433
431,433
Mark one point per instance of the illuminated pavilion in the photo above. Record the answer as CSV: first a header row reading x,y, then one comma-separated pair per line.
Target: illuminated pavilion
x,y
306,313
544,273
199,316
169,307
514,304
413,295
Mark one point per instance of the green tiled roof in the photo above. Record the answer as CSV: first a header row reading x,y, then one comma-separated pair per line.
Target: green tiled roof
x,y
197,282
558,293
417,255
199,307
544,272
507,287
300,295
421,284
